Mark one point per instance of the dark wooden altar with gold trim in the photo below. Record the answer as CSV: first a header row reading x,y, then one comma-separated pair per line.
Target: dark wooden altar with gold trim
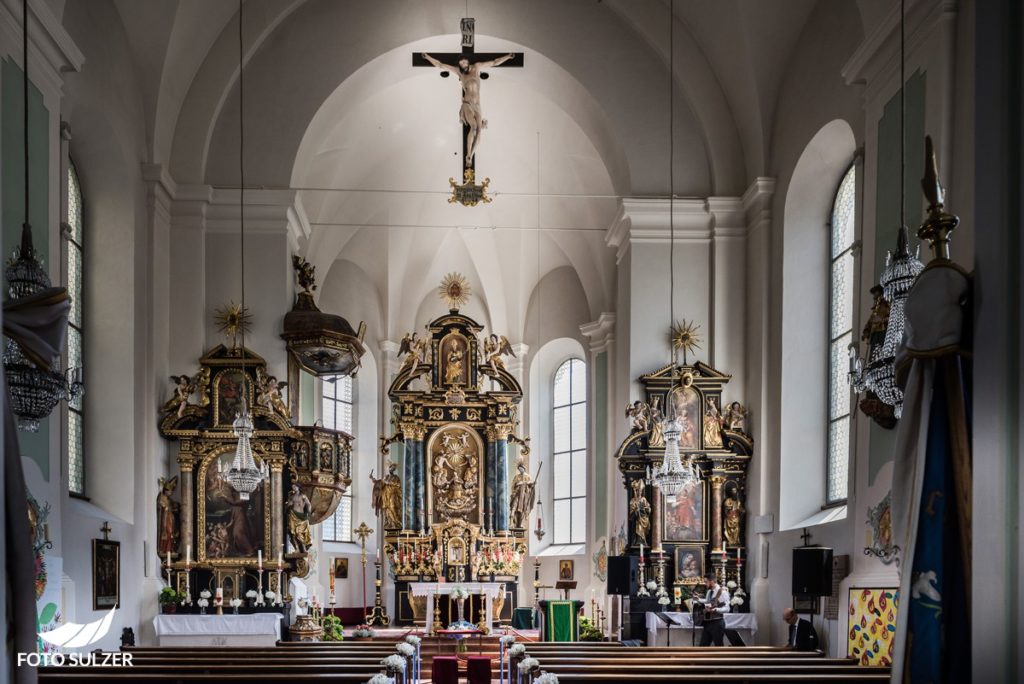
x,y
456,413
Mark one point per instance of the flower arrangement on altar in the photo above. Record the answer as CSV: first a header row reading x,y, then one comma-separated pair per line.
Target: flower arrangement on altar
x,y
333,631
256,597
204,600
647,589
738,595
363,631
459,593
394,664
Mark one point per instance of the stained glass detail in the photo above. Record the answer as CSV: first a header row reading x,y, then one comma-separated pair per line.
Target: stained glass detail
x,y
337,413
569,439
842,269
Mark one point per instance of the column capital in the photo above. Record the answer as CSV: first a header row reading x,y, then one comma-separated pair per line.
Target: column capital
x,y
601,332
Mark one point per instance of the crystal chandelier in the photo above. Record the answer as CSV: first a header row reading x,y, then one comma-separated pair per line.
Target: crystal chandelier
x,y
33,391
243,475
878,374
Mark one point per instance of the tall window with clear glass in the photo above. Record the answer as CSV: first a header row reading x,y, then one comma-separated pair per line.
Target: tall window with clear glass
x,y
337,411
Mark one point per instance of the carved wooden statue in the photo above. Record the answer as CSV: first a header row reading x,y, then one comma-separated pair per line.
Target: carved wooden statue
x,y
733,514
524,495
167,514
387,497
299,510
640,509
712,425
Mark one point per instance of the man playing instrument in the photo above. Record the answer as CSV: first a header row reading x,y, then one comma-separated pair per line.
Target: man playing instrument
x,y
716,605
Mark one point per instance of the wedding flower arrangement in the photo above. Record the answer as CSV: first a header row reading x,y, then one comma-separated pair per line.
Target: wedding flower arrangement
x,y
664,600
652,585
404,649
412,639
363,631
528,665
507,640
516,650
380,678
235,602
393,663
730,585
459,593
203,603
205,594
546,678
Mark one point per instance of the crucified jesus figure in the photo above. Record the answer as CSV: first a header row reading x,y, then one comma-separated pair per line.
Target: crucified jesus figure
x,y
469,112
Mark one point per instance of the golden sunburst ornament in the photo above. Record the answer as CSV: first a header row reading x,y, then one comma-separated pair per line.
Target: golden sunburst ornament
x,y
454,290
232,319
685,337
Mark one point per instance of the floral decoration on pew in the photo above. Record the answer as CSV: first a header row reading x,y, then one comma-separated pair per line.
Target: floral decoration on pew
x,y
507,640
546,678
394,664
412,639
517,650
528,665
380,678
405,650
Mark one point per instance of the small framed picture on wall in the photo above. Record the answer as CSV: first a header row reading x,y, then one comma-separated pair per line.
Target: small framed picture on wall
x,y
566,570
106,574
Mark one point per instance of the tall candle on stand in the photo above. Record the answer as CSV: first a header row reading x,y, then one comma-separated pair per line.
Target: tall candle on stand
x,y
188,555
259,558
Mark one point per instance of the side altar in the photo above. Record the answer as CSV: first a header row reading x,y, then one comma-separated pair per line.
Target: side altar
x,y
459,517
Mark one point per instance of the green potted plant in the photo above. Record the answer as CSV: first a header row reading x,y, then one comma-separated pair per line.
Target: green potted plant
x,y
169,599
333,630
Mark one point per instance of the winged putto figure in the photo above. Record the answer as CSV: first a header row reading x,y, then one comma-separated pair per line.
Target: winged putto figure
x,y
495,347
415,350
184,388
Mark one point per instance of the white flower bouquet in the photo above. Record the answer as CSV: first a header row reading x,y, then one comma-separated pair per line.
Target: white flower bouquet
x,y
202,603
405,650
664,600
270,595
652,585
516,650
507,640
205,594
250,594
412,639
460,593
235,602
736,601
380,678
393,663
730,585
528,665
546,678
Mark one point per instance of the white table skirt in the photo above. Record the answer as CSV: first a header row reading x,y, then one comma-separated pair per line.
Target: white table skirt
x,y
258,629
428,589
657,631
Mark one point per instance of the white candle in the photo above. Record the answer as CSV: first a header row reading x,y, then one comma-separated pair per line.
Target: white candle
x,y
188,554
259,558
168,560
739,553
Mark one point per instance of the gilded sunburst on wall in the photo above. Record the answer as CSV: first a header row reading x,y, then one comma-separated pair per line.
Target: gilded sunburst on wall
x,y
232,319
454,290
684,337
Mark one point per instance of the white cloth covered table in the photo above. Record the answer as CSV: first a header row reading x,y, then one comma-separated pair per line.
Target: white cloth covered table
x,y
428,589
258,629
657,631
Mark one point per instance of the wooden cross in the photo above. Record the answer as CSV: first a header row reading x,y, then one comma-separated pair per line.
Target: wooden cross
x,y
806,536
469,193
106,530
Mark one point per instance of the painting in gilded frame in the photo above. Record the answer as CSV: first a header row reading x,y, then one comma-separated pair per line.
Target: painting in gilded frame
x,y
687,404
231,527
684,516
106,574
689,564
230,386
872,627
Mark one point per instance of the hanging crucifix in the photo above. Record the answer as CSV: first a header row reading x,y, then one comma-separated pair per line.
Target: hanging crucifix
x,y
470,71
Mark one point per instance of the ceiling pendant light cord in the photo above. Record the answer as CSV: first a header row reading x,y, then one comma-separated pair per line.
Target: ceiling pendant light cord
x,y
24,87
671,183
241,170
903,114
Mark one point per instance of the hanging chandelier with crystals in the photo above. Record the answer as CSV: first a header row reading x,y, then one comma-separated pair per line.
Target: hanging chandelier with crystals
x,y
243,475
33,391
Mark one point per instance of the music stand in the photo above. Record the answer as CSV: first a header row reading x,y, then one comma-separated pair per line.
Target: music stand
x,y
669,623
564,586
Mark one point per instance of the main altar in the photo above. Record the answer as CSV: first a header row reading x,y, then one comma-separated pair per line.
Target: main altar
x,y
459,517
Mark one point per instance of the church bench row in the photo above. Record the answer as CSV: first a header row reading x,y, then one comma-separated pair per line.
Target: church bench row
x,y
67,675
860,678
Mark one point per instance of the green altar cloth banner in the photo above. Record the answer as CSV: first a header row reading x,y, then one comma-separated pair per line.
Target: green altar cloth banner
x,y
561,623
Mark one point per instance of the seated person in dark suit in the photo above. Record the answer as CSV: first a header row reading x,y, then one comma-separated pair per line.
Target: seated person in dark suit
x,y
801,636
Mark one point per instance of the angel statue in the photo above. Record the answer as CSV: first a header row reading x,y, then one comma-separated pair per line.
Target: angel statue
x,y
299,510
496,347
387,497
183,389
167,514
641,415
736,417
415,350
268,395
524,495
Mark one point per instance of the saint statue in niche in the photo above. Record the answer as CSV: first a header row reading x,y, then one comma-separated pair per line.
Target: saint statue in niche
x,y
167,509
299,510
732,515
712,425
455,369
640,509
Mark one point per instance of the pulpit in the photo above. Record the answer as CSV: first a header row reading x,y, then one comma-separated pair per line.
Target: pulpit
x,y
560,620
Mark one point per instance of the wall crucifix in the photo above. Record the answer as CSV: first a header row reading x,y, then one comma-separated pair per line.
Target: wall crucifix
x,y
469,67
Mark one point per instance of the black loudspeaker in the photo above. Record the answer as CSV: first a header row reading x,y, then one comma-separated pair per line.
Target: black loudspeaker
x,y
622,574
812,571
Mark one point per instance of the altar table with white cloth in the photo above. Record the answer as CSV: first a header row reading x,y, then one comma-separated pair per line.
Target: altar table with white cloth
x,y
257,629
657,631
428,589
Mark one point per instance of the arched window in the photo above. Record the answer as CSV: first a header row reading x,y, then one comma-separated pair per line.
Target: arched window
x,y
73,278
569,428
336,410
841,270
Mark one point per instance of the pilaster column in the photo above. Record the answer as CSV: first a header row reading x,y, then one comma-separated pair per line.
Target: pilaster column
x,y
413,483
501,493
277,518
490,480
656,519
716,512
187,504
